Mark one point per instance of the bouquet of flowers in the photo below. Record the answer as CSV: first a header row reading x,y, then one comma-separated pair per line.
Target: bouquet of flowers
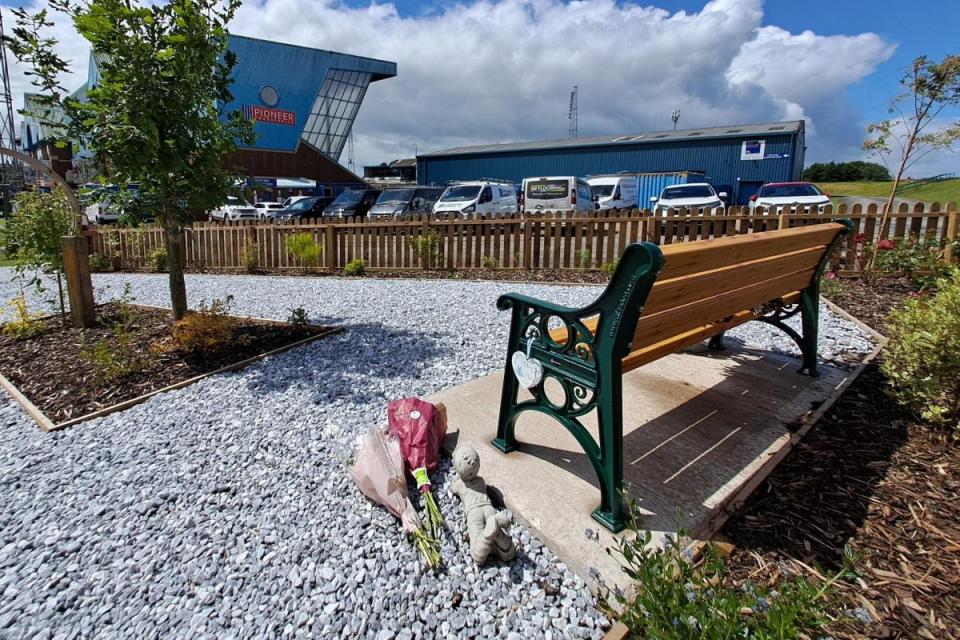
x,y
420,427
377,468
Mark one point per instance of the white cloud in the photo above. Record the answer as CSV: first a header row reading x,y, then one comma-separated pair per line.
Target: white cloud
x,y
502,70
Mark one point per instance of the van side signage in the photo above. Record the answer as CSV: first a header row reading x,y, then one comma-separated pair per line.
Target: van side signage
x,y
548,189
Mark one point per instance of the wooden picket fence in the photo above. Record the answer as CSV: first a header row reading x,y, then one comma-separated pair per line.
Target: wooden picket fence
x,y
518,241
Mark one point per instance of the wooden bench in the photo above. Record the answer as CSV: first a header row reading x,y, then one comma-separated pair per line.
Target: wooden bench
x,y
659,301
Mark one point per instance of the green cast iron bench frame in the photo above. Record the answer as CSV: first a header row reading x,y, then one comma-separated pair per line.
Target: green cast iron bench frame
x,y
659,301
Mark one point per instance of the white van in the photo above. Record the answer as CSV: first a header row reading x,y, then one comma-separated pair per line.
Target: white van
x,y
472,199
556,193
614,192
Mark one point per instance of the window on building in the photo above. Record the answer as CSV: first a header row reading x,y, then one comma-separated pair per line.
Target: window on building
x,y
334,110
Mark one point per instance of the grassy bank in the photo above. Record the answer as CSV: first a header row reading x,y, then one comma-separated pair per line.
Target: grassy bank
x,y
943,192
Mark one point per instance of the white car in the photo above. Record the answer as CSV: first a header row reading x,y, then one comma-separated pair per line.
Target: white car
x,y
101,212
471,199
289,201
266,210
234,209
774,196
695,195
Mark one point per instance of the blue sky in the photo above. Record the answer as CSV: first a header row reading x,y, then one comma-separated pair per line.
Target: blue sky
x,y
923,27
487,71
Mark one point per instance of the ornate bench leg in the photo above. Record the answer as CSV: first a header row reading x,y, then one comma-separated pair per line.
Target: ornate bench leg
x,y
809,322
505,440
716,342
611,513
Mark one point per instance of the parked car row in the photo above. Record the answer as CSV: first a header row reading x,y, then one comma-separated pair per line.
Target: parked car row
x,y
472,199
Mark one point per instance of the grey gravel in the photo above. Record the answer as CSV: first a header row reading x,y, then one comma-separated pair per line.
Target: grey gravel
x,y
223,509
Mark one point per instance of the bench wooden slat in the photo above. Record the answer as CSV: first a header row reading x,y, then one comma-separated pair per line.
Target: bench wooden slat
x,y
694,257
675,292
660,326
667,346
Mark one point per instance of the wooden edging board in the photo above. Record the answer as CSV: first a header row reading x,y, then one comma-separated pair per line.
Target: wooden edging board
x,y
48,425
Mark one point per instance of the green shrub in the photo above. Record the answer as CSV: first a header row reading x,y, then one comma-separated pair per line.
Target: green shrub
x,y
584,258
489,262
115,359
830,284
356,267
609,267
100,263
24,323
250,256
677,599
923,356
426,249
920,259
299,317
158,260
305,249
31,239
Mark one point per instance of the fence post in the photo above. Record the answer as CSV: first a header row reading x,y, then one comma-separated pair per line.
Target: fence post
x,y
527,241
948,256
329,240
782,220
76,267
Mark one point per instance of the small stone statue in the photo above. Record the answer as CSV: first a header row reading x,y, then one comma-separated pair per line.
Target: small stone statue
x,y
486,526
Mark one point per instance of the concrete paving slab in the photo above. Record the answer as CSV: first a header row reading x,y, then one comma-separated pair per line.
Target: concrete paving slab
x,y
698,426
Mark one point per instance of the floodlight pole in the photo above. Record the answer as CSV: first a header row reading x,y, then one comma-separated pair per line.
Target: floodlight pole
x,y
76,253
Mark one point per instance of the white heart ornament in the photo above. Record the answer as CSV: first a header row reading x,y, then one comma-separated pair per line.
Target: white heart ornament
x,y
528,370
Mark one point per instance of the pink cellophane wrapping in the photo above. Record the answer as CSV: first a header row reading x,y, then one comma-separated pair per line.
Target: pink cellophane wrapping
x,y
378,471
420,427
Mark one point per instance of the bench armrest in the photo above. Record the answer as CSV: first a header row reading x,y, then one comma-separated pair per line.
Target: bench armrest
x,y
516,300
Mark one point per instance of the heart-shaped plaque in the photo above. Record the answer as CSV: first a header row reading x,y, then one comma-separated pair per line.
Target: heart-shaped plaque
x,y
528,370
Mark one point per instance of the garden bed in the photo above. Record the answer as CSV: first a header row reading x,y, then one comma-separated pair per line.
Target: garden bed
x,y
53,370
874,477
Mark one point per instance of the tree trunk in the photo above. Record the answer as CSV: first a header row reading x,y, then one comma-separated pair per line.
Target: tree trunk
x,y
175,265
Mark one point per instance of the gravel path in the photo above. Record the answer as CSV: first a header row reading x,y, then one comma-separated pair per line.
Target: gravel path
x,y
223,509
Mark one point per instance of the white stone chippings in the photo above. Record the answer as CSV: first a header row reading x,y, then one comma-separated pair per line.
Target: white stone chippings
x,y
224,510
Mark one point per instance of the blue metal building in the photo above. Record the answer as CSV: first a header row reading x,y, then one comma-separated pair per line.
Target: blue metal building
x,y
737,157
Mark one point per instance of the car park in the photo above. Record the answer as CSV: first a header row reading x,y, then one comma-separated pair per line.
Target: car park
x,y
266,210
304,208
556,193
352,204
614,192
404,201
774,196
232,210
473,199
695,195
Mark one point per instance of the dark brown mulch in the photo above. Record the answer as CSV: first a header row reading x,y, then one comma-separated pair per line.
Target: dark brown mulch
x,y
51,372
872,476
870,300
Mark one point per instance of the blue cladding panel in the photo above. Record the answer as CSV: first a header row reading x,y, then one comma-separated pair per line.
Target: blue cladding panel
x,y
719,159
297,74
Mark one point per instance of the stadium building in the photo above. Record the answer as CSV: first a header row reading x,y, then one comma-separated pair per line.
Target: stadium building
x,y
737,158
303,102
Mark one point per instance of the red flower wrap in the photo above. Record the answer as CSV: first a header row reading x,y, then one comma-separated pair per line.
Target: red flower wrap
x,y
420,427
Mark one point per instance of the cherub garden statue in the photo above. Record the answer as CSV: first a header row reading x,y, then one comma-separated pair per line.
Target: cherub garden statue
x,y
486,526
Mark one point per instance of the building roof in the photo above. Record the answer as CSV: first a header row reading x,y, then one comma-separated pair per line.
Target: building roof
x,y
729,131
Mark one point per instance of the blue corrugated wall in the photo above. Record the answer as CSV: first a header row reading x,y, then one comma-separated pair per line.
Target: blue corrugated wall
x,y
718,158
